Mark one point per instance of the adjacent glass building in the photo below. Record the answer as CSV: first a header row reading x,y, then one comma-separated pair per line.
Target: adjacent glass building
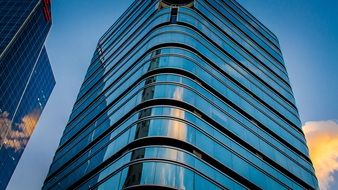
x,y
189,94
26,77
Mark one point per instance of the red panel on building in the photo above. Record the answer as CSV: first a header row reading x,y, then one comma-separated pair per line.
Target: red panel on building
x,y
46,10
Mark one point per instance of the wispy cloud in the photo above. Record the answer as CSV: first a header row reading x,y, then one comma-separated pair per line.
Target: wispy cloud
x,y
322,139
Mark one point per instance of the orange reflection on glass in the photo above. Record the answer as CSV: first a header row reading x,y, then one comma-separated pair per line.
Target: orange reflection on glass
x,y
5,126
16,136
177,129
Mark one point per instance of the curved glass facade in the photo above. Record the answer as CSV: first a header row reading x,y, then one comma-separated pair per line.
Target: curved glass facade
x,y
184,95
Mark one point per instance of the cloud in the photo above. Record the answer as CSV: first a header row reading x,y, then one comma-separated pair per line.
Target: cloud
x,y
322,139
5,125
17,138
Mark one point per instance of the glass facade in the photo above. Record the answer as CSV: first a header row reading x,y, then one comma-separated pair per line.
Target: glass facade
x,y
187,94
26,77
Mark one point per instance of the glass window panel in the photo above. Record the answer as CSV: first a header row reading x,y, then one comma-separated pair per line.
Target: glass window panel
x,y
184,179
202,184
148,173
112,183
165,174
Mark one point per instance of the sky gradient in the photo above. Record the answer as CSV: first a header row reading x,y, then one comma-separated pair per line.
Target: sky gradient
x,y
308,34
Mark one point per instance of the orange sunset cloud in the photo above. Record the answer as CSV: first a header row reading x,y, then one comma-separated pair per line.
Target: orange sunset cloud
x,y
322,139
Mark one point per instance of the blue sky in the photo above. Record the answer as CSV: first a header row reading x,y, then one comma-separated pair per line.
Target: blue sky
x,y
308,34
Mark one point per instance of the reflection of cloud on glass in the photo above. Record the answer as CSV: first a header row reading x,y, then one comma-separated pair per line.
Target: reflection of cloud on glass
x,y
165,174
5,125
177,129
178,94
181,176
322,139
18,136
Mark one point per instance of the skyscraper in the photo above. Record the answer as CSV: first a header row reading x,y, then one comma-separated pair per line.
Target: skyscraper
x,y
26,77
189,94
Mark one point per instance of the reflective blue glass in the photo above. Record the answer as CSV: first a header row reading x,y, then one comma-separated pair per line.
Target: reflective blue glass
x,y
184,95
26,77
